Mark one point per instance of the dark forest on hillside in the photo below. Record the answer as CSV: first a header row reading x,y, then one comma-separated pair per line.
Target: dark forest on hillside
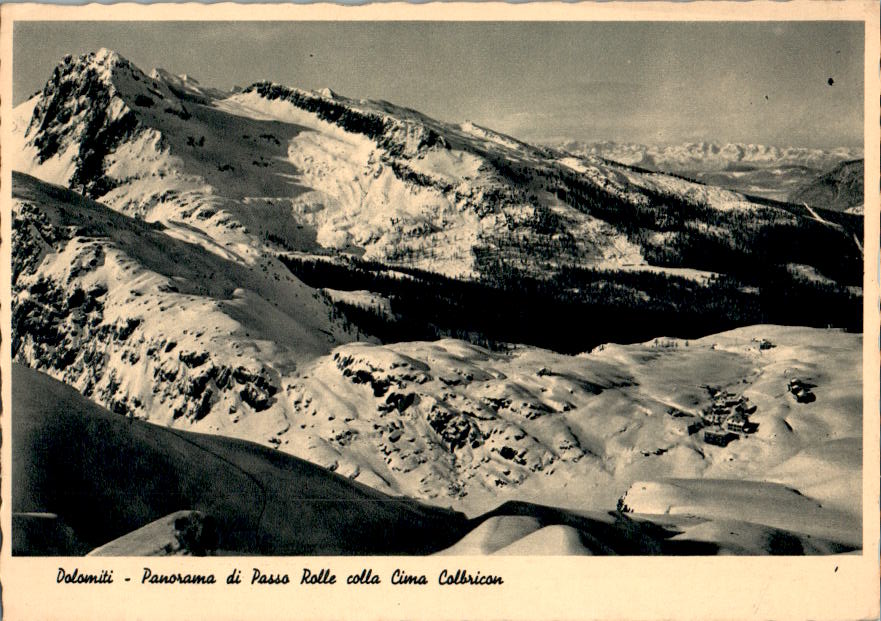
x,y
577,309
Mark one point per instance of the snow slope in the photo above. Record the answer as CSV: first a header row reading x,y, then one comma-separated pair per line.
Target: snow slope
x,y
153,326
116,484
451,420
757,503
86,482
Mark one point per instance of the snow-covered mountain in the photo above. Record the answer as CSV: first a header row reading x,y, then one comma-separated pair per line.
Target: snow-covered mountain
x,y
155,222
317,172
308,171
151,325
73,461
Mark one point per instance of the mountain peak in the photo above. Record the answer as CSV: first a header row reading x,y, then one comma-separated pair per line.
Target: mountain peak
x,y
109,57
102,63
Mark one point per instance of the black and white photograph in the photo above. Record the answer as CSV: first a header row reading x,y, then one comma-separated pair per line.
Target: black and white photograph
x,y
436,288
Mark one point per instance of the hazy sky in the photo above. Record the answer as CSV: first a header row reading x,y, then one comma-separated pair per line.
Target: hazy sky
x,y
763,82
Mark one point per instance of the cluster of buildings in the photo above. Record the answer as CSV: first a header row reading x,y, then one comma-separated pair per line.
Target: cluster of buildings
x,y
727,418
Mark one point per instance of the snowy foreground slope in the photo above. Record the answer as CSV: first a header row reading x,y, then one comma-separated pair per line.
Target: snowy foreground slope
x,y
88,481
150,223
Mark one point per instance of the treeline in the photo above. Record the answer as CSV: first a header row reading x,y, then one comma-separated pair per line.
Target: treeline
x,y
578,308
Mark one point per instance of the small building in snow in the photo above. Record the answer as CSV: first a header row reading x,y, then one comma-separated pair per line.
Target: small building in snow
x,y
737,422
745,407
719,438
694,427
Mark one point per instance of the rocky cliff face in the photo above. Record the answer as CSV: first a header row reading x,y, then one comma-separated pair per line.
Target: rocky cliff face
x,y
86,111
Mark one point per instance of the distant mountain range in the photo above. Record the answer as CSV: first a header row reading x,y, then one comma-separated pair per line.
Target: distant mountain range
x,y
712,155
760,170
